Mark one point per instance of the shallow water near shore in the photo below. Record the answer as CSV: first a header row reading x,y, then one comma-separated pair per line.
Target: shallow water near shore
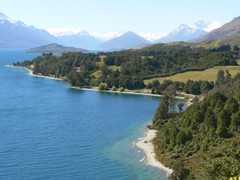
x,y
50,131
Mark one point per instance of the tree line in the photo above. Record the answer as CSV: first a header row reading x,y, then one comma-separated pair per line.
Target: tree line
x,y
131,66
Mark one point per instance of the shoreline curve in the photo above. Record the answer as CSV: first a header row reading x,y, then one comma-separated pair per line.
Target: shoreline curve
x,y
146,146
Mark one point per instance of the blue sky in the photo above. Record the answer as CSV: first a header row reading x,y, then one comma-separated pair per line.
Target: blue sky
x,y
141,16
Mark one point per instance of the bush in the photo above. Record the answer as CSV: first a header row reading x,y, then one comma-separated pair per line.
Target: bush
x,y
114,88
121,89
103,86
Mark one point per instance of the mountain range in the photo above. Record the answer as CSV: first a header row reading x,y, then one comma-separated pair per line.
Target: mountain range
x,y
182,33
189,33
80,40
16,34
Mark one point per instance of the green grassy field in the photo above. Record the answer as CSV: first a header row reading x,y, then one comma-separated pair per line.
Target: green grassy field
x,y
209,74
114,68
98,73
102,57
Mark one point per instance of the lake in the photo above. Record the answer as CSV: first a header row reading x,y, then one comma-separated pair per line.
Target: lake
x,y
50,131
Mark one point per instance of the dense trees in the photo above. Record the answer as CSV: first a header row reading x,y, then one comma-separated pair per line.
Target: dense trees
x,y
129,68
199,137
190,87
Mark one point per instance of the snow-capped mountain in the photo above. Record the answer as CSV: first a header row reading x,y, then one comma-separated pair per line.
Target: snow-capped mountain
x,y
206,26
81,40
182,33
126,41
16,34
190,32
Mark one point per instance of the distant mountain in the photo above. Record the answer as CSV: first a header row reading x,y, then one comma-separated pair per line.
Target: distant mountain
x,y
227,31
182,33
16,34
126,41
56,48
80,40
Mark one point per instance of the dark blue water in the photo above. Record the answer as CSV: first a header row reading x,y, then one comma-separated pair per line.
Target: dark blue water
x,y
49,131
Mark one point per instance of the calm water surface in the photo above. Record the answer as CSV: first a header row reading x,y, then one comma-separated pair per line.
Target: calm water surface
x,y
49,131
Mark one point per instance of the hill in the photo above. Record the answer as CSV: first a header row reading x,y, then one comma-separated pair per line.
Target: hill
x,y
206,75
55,48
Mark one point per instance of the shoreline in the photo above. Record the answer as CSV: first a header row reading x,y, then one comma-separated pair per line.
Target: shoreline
x,y
146,146
131,92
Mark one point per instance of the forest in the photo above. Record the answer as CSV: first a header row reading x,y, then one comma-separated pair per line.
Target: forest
x,y
202,142
128,69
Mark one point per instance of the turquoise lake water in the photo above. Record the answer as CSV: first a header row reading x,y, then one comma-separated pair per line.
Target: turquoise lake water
x,y
50,131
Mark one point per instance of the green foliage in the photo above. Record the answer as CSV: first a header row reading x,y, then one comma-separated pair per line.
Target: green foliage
x,y
113,88
181,173
190,87
199,136
103,86
225,167
121,89
132,66
162,110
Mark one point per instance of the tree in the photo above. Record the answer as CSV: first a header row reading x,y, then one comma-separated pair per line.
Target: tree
x,y
102,86
183,137
220,79
170,93
76,79
235,122
222,126
155,83
210,119
236,48
113,88
179,173
205,86
162,110
180,107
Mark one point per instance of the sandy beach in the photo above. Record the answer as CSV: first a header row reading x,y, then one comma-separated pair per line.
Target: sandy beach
x,y
147,147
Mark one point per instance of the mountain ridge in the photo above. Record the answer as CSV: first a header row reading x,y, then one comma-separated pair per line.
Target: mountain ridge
x,y
126,41
227,31
16,34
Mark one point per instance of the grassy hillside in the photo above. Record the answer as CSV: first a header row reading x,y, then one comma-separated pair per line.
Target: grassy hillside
x,y
216,43
208,75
